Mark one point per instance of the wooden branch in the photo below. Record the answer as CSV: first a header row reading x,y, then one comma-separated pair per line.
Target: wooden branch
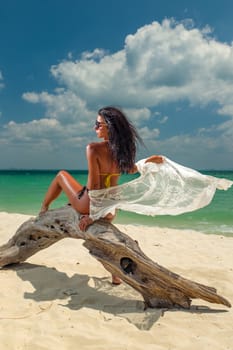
x,y
118,253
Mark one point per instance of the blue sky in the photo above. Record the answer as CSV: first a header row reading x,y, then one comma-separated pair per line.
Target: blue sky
x,y
167,64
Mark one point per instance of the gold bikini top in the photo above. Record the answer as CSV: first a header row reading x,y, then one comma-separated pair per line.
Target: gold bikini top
x,y
107,180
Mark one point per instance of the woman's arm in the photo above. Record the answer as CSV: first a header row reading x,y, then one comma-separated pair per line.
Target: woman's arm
x,y
154,159
93,181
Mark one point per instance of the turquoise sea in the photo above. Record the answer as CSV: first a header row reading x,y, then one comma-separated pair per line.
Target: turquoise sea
x,y
22,191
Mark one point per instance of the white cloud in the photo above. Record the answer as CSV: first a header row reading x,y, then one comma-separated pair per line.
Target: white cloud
x,y
94,55
63,105
226,138
148,134
226,110
160,63
208,148
33,132
139,115
163,119
36,126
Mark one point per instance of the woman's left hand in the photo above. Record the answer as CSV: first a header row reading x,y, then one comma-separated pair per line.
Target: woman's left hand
x,y
155,159
84,222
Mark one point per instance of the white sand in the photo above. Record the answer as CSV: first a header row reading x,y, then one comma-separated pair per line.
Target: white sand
x,y
62,298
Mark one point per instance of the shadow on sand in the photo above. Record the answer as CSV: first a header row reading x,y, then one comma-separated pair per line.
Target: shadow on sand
x,y
92,292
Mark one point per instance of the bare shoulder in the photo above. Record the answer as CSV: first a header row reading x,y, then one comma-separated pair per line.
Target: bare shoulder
x,y
95,146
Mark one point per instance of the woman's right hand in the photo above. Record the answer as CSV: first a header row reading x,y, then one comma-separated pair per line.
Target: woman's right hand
x,y
84,222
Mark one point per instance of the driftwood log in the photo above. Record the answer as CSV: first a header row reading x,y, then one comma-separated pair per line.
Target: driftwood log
x,y
118,253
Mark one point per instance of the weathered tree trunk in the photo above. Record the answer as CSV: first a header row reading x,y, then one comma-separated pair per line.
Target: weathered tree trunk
x,y
119,254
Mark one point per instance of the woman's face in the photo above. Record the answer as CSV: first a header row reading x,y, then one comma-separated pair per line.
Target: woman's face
x,y
101,128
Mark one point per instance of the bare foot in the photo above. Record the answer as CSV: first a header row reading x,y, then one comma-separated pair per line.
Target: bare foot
x,y
43,210
116,280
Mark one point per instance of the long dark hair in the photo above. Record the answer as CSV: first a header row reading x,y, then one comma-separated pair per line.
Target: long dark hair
x,y
123,137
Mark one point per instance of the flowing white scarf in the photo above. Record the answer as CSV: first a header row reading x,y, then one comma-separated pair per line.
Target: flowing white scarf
x,y
161,189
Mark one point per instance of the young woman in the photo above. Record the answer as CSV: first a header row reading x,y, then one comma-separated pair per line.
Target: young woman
x,y
106,161
162,189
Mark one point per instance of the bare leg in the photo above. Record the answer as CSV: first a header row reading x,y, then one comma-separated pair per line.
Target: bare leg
x,y
65,182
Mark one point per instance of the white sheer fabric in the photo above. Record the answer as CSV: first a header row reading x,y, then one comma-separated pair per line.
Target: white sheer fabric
x,y
161,189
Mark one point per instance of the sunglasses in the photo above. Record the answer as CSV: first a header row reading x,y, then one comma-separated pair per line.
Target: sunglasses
x,y
99,124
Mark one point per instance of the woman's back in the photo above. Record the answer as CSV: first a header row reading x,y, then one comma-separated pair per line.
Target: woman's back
x,y
105,168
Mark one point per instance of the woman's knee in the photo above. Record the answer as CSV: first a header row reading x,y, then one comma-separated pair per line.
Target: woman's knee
x,y
61,178
61,174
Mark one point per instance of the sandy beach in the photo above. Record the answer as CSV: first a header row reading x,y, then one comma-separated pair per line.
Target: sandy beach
x,y
62,298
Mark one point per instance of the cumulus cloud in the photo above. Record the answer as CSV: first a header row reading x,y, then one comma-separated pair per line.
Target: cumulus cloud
x,y
63,105
149,134
161,63
164,62
34,133
94,55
